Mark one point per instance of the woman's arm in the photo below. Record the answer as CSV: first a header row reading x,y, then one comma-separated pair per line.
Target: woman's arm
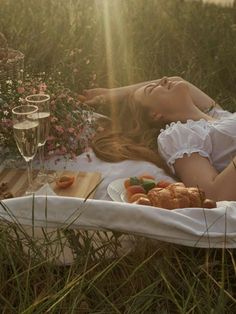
x,y
197,171
201,100
106,96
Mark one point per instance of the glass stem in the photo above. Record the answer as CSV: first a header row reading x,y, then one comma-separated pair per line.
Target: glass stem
x,y
41,158
29,173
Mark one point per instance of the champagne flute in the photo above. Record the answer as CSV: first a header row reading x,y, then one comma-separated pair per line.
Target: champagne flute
x,y
26,134
42,102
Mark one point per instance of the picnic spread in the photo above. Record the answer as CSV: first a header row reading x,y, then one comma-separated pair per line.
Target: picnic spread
x,y
106,209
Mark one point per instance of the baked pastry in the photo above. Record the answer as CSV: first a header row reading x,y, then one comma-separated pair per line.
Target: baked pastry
x,y
176,195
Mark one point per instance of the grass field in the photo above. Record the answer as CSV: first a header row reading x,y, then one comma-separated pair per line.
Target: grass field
x,y
118,42
112,43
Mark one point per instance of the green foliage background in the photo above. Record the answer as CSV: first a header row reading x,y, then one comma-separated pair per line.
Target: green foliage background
x,y
140,39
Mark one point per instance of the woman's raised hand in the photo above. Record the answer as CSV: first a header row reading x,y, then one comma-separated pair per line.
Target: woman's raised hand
x,y
91,93
93,97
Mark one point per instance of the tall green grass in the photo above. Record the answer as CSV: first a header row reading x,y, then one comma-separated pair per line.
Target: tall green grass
x,y
148,39
147,277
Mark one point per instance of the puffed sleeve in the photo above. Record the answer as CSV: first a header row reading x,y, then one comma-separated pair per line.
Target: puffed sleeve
x,y
184,138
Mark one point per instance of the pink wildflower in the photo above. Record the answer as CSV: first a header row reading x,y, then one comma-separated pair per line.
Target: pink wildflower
x,y
63,150
20,89
71,130
51,138
70,99
54,119
50,147
59,129
42,87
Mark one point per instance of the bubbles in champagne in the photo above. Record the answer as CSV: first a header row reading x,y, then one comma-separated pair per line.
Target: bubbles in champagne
x,y
44,125
26,137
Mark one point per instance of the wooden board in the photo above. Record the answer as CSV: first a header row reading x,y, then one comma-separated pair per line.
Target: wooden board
x,y
84,182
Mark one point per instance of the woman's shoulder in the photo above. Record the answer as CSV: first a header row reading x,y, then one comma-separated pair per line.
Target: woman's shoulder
x,y
178,135
178,139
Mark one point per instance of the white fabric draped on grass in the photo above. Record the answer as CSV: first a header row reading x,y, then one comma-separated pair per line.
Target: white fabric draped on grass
x,y
189,226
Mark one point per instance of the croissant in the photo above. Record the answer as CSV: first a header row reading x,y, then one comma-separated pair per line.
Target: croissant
x,y
176,195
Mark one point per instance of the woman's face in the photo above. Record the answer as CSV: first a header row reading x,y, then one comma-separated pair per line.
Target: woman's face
x,y
163,99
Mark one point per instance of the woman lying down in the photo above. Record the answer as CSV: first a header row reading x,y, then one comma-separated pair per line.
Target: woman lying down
x,y
176,126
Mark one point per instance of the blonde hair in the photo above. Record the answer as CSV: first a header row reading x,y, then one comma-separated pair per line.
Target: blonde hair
x,y
131,135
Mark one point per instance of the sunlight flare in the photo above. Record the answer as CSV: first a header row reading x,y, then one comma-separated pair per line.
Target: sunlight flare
x,y
115,32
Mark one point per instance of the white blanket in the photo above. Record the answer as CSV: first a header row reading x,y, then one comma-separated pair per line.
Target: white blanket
x,y
189,226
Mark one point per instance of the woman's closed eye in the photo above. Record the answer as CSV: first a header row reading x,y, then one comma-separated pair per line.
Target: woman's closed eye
x,y
164,82
148,89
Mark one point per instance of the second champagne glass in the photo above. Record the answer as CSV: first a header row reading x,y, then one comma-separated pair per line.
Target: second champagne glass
x,y
26,134
42,102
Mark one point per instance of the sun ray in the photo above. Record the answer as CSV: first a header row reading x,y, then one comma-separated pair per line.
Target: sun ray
x,y
115,42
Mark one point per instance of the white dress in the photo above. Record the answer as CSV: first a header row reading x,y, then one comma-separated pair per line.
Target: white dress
x,y
215,140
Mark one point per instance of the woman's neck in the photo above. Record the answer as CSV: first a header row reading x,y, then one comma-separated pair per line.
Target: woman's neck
x,y
196,116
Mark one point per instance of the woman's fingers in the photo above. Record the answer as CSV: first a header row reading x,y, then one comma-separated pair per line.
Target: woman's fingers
x,y
91,93
82,98
95,101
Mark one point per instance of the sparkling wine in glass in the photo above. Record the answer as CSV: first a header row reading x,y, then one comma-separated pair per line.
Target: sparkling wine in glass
x,y
26,134
42,102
